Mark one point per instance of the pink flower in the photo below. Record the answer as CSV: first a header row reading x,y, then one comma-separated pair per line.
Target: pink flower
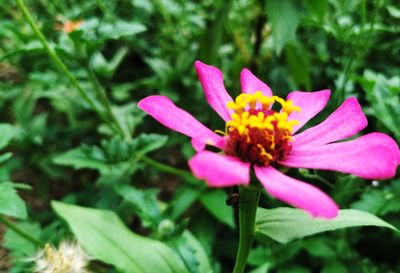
x,y
258,136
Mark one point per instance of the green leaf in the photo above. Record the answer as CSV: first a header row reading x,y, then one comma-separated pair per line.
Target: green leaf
x,y
4,157
105,237
186,252
183,198
10,203
215,202
317,7
212,38
191,252
203,260
144,202
146,143
298,65
284,19
383,96
120,29
18,245
288,224
335,267
7,133
83,157
372,201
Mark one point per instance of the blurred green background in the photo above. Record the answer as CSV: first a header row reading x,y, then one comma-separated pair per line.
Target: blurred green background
x,y
129,49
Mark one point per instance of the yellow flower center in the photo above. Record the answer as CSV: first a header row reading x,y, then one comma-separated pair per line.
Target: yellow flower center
x,y
256,133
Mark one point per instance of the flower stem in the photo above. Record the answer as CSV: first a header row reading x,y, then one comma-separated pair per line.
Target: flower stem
x,y
10,224
168,169
249,197
101,94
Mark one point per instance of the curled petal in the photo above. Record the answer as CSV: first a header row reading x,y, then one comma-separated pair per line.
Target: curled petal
x,y
251,84
212,81
372,156
311,103
296,193
200,143
168,114
345,122
219,170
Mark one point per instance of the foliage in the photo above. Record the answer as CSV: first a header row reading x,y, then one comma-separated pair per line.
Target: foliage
x,y
75,135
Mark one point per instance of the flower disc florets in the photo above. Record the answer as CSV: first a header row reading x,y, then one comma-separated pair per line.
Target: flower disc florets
x,y
256,133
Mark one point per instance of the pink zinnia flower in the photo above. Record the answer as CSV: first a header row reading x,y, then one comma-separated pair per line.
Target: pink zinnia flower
x,y
258,137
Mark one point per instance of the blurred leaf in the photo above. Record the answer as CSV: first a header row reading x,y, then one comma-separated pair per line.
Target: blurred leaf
x,y
383,94
334,267
29,48
83,157
120,29
287,224
129,116
212,39
18,245
317,7
298,65
191,252
7,132
105,237
4,157
183,198
10,202
284,19
114,154
215,202
262,269
320,247
147,143
202,258
394,11
107,68
144,202
371,201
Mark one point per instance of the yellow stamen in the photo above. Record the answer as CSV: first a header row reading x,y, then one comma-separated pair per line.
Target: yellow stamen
x,y
242,120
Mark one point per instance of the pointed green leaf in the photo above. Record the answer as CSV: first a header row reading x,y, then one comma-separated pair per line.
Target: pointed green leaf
x,y
4,157
10,202
105,237
287,224
6,134
284,19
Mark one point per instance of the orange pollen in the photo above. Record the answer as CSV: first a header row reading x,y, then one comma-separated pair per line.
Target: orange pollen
x,y
256,133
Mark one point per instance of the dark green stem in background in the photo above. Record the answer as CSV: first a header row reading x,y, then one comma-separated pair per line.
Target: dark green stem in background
x,y
168,169
10,224
248,202
101,94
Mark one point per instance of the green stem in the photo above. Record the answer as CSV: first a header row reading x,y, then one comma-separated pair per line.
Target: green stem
x,y
249,197
57,61
101,94
168,169
10,224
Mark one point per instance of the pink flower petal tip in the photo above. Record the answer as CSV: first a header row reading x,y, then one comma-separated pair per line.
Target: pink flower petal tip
x,y
219,170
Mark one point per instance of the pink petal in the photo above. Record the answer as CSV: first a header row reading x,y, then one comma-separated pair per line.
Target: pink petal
x,y
251,84
311,103
296,193
168,114
219,170
212,81
372,156
345,122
